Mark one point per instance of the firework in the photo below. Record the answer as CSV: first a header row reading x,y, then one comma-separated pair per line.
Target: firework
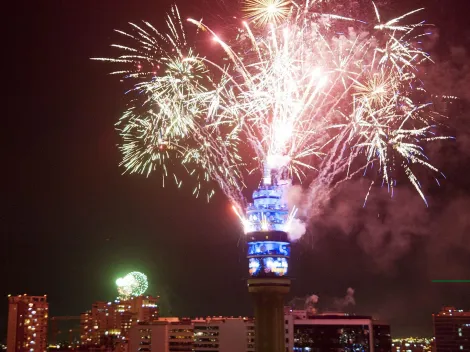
x,y
267,11
132,285
293,98
312,101
167,125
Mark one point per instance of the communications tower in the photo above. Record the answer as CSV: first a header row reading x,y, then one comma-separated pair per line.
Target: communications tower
x,y
267,221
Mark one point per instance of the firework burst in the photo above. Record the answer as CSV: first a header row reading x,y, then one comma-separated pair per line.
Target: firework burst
x,y
292,98
166,126
263,12
132,285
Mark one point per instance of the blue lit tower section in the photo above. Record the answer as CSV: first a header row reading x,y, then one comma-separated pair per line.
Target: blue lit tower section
x,y
268,256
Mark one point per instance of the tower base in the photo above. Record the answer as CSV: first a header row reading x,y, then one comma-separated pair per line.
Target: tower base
x,y
268,296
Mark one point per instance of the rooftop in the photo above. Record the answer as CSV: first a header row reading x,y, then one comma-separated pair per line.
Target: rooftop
x,y
452,311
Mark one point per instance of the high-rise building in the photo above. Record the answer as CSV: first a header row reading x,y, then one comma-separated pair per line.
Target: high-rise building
x,y
94,323
145,308
108,323
215,334
86,328
27,323
452,330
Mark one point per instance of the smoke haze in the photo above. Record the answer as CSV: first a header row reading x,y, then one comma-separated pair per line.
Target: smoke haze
x,y
395,241
348,300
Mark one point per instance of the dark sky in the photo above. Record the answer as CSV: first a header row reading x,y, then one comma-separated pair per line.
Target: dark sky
x,y
71,223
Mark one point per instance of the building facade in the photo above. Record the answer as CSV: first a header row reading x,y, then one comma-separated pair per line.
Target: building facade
x,y
165,335
27,323
215,334
335,332
303,333
223,334
108,323
452,330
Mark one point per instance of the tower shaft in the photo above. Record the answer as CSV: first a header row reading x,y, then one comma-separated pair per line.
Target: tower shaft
x,y
268,296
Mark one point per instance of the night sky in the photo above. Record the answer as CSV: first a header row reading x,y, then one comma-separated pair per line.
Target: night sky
x,y
71,224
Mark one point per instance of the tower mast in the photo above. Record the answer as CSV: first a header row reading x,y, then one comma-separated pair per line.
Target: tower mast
x,y
268,259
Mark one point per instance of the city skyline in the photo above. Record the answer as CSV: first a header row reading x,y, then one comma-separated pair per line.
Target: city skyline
x,y
308,304
113,322
73,224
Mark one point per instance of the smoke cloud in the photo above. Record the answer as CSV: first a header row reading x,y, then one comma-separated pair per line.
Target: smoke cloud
x,y
388,228
348,300
392,223
312,299
310,304
294,199
297,229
